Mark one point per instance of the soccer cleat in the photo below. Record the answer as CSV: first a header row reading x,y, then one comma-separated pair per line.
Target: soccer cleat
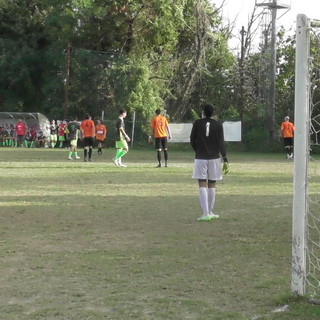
x,y
213,216
123,165
77,157
115,161
159,165
204,218
70,158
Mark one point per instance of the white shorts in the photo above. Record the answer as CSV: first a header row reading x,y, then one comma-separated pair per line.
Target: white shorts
x,y
207,169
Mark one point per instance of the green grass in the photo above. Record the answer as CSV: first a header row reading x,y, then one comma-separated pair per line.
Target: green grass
x,y
93,241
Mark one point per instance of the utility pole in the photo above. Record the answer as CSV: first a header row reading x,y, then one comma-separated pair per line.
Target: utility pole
x,y
273,6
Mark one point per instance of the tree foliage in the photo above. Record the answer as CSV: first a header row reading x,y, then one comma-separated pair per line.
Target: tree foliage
x,y
64,57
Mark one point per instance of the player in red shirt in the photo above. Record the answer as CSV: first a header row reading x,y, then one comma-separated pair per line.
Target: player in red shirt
x,y
161,132
287,131
20,130
61,133
88,131
101,132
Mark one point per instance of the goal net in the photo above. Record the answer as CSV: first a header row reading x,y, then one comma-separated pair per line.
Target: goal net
x,y
306,200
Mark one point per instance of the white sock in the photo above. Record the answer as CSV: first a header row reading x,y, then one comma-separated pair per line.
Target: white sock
x,y
203,197
211,198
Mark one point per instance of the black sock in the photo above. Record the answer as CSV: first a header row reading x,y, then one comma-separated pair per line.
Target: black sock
x,y
159,156
165,152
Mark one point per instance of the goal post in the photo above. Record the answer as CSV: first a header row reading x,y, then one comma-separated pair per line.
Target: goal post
x,y
301,144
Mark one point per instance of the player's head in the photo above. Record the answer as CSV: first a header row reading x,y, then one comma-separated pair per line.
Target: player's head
x,y
87,116
98,121
208,110
158,111
122,113
286,118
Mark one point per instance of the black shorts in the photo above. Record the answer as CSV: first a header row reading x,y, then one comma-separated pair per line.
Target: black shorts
x,y
88,142
288,142
161,143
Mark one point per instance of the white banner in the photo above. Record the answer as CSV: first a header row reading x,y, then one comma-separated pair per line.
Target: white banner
x,y
181,131
232,130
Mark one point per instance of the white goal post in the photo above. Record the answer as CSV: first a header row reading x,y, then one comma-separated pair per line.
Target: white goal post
x,y
306,195
301,116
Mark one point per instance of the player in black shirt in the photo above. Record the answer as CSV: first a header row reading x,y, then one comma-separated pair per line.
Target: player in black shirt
x,y
207,140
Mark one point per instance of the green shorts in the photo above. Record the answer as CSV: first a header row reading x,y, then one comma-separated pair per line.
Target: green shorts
x,y
61,138
122,144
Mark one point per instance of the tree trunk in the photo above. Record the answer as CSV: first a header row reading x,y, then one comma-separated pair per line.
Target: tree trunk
x,y
67,81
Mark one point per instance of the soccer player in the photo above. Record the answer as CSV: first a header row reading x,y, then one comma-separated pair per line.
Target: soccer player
x,y
30,138
161,132
61,133
101,132
3,135
41,140
287,130
20,130
207,140
73,130
122,139
53,133
88,131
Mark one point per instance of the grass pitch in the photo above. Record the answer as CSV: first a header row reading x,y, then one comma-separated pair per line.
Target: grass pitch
x,y
93,241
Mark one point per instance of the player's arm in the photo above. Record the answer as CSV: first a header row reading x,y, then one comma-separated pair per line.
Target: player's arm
x,y
193,137
151,134
169,132
125,135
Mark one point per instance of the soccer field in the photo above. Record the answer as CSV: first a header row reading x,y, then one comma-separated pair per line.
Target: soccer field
x,y
94,241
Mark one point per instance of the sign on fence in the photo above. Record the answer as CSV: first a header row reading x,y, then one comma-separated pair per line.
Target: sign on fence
x,y
181,131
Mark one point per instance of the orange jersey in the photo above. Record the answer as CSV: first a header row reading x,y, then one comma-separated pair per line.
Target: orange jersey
x,y
101,131
88,129
287,129
159,125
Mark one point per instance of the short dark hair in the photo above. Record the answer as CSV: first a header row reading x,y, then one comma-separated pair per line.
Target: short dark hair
x,y
87,116
121,111
158,111
208,110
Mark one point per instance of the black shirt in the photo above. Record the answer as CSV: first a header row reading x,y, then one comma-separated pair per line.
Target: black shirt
x,y
73,126
120,125
207,139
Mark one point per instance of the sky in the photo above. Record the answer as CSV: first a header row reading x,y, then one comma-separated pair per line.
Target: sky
x,y
240,10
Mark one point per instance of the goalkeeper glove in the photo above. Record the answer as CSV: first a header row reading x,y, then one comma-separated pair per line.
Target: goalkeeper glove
x,y
225,167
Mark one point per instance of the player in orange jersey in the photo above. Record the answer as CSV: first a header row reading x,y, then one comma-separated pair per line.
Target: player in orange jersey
x,y
101,132
88,131
161,132
287,131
